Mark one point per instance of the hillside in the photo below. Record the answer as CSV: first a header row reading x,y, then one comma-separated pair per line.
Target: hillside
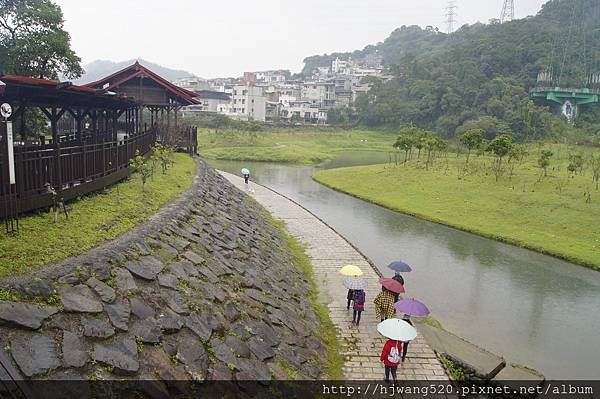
x,y
479,76
100,68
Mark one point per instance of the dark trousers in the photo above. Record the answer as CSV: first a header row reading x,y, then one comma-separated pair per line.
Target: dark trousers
x,y
356,316
246,178
388,370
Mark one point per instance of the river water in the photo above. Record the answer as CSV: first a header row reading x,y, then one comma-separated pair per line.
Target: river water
x,y
531,308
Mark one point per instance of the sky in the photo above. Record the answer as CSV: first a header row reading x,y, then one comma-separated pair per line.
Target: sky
x,y
219,38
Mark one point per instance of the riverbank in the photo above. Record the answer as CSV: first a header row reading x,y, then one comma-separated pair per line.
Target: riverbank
x,y
301,145
547,215
208,288
328,252
92,220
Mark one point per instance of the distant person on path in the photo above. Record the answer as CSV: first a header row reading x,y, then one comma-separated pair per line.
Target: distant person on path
x,y
246,178
349,297
359,305
391,356
399,279
384,304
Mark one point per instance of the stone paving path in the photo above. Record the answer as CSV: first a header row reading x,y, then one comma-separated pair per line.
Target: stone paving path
x,y
329,251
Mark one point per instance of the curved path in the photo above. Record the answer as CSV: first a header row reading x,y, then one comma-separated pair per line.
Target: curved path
x,y
329,251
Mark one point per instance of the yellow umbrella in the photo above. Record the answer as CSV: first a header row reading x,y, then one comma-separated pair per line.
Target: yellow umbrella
x,y
351,271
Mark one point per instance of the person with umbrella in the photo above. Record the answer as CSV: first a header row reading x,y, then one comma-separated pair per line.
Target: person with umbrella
x,y
399,267
359,306
384,304
410,307
246,173
396,331
353,282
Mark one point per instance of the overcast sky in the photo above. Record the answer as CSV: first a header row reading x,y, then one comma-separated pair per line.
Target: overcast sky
x,y
214,38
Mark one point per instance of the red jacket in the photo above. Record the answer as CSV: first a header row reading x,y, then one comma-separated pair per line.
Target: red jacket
x,y
386,351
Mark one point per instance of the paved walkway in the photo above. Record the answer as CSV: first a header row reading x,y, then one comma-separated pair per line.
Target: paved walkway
x,y
328,251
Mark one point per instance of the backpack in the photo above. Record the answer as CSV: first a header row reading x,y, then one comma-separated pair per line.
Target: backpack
x,y
394,355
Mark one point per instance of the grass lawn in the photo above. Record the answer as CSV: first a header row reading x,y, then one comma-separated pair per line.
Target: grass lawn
x,y
548,214
304,146
93,219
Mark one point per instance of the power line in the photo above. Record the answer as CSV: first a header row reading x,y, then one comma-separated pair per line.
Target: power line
x,y
451,16
508,11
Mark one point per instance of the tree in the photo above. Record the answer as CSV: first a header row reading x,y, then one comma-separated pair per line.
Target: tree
x,y
472,139
516,155
33,41
140,165
405,143
595,164
500,147
544,161
429,143
219,122
575,163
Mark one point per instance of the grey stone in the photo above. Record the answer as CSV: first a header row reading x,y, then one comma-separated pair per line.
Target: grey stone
x,y
193,257
38,287
146,267
223,352
123,280
201,324
120,353
483,364
73,349
107,293
80,299
261,349
25,315
209,275
101,271
179,270
252,370
70,278
220,372
179,243
119,314
194,356
97,328
34,355
147,329
175,301
160,365
231,312
169,280
170,321
141,309
239,347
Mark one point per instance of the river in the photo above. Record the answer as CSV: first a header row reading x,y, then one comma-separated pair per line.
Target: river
x,y
531,308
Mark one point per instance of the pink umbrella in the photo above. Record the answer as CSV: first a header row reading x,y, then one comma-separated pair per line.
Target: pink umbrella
x,y
411,307
391,285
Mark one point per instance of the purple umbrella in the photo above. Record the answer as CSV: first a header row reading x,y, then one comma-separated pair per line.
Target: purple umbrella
x,y
412,307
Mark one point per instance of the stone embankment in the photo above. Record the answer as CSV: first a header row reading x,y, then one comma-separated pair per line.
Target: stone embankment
x,y
206,290
329,251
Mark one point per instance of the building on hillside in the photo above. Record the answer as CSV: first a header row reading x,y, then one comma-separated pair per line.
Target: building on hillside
x,y
208,101
303,112
192,83
321,94
248,103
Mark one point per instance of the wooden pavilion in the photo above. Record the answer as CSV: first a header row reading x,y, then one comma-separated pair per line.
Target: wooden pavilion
x,y
160,97
92,136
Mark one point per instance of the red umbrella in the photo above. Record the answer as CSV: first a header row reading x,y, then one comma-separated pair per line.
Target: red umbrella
x,y
392,285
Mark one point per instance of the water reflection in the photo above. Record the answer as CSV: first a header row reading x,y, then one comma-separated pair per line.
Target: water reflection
x,y
531,308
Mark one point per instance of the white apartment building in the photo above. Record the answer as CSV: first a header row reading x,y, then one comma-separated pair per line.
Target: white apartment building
x,y
321,94
303,112
248,103
274,76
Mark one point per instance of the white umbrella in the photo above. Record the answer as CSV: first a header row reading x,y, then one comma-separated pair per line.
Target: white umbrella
x,y
355,283
397,329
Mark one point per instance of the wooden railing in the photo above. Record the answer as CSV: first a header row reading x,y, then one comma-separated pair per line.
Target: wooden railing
x,y
74,168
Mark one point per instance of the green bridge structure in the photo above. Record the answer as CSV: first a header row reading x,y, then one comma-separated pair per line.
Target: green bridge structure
x,y
569,99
